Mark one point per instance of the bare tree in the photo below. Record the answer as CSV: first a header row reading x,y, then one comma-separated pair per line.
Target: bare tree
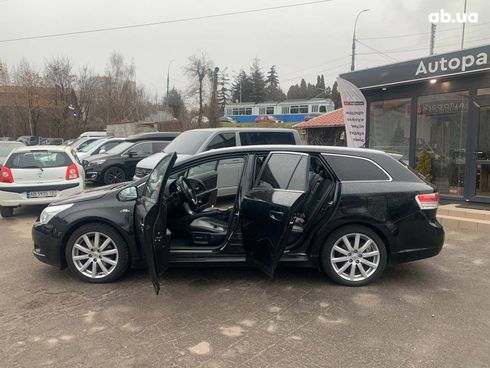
x,y
4,75
199,71
29,100
86,84
58,74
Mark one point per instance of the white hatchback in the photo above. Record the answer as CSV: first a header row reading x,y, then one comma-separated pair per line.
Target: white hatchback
x,y
36,175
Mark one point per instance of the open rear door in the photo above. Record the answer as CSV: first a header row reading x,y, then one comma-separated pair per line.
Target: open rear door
x,y
151,220
267,211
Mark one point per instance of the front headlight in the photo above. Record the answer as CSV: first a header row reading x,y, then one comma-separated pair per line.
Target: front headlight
x,y
51,211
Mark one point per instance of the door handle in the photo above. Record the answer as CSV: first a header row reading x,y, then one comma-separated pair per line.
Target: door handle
x,y
276,215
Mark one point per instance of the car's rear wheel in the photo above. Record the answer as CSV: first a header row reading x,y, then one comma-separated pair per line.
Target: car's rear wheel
x,y
6,211
354,255
96,253
114,175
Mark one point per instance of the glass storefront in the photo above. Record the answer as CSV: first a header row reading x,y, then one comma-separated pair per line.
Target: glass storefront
x,y
482,154
389,128
442,123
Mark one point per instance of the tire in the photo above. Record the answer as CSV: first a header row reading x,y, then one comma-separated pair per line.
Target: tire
x,y
338,261
113,175
6,212
110,263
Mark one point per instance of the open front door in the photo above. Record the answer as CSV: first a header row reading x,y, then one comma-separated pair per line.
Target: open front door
x,y
151,220
267,212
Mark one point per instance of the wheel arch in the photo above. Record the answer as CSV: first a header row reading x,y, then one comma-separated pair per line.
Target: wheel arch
x,y
133,252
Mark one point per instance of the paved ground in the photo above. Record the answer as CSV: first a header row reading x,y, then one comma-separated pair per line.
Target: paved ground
x,y
432,313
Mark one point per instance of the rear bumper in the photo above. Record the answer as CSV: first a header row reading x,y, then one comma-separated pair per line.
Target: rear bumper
x,y
47,247
14,196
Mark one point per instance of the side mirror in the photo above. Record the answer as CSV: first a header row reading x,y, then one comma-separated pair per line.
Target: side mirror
x,y
131,154
128,194
102,150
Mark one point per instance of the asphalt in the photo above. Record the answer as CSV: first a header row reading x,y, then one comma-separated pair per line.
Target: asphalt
x,y
430,313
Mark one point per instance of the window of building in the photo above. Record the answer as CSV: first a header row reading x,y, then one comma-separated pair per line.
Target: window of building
x,y
270,110
349,168
285,171
389,126
222,140
441,134
261,110
323,108
253,138
314,108
285,109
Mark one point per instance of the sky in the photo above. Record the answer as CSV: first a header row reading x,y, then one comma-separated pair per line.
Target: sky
x,y
301,41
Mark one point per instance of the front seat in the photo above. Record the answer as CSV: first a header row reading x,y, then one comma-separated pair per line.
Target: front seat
x,y
208,231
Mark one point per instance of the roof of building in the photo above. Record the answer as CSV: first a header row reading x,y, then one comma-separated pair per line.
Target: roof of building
x,y
330,119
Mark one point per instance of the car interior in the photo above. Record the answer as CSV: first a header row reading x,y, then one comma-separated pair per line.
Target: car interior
x,y
199,216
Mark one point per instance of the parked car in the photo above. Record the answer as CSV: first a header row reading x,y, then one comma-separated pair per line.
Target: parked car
x,y
348,212
267,119
53,141
81,143
6,147
195,141
226,119
29,140
39,175
118,164
98,146
93,134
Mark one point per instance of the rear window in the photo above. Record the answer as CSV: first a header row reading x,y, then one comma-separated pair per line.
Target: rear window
x,y
222,141
189,142
350,168
284,171
253,138
38,159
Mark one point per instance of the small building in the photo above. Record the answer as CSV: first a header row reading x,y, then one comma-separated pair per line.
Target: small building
x,y
438,106
327,129
288,111
127,128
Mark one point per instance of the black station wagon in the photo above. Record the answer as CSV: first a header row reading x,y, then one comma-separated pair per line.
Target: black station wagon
x,y
348,212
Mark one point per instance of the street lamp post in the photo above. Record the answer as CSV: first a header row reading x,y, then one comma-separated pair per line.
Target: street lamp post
x,y
168,79
353,63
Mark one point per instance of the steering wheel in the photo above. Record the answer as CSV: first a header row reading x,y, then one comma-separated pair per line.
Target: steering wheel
x,y
188,192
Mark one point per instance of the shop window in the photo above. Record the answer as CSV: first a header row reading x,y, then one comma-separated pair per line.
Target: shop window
x,y
483,91
389,126
441,132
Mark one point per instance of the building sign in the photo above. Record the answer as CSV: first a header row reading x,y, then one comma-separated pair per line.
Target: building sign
x,y
443,107
354,109
452,63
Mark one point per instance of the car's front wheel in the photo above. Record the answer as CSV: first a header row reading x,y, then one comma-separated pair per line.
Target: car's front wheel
x,y
354,255
96,253
114,175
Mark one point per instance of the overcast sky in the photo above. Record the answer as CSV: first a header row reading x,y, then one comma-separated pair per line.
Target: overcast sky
x,y
301,42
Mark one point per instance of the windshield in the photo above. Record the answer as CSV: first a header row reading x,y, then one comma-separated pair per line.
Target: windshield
x,y
188,142
92,145
5,149
120,148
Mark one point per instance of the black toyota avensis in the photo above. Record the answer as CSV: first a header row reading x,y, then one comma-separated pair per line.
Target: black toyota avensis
x,y
348,212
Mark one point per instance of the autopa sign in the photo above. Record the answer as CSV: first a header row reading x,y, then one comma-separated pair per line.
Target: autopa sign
x,y
455,64
452,63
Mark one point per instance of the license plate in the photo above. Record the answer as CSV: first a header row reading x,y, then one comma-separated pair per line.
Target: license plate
x,y
42,194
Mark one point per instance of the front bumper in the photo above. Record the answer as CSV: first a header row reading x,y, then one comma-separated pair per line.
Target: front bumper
x,y
92,176
47,245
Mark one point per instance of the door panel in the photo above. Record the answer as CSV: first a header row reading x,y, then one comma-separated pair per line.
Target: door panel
x,y
151,220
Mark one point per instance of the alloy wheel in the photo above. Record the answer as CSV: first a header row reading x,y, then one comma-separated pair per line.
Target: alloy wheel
x,y
355,257
95,255
114,175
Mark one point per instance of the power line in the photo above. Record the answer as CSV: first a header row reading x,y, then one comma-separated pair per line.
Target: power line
x,y
377,51
319,71
181,20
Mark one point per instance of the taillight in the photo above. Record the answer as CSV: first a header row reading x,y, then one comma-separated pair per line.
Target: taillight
x,y
6,175
428,201
72,172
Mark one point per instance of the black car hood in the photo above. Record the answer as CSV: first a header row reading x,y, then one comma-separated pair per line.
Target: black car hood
x,y
101,156
92,194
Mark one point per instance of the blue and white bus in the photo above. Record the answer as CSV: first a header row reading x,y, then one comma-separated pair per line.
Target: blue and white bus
x,y
288,111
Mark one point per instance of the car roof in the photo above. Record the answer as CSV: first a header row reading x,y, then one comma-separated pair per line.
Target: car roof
x,y
52,148
152,136
12,142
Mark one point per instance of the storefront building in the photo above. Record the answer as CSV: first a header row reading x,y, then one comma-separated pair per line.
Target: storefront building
x,y
439,107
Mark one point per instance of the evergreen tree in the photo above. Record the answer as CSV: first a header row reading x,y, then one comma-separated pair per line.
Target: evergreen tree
x,y
258,82
241,88
336,96
175,102
223,94
272,90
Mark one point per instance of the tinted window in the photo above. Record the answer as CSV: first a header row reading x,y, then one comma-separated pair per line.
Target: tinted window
x,y
159,146
222,140
355,169
141,149
252,138
188,143
107,146
38,159
284,171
